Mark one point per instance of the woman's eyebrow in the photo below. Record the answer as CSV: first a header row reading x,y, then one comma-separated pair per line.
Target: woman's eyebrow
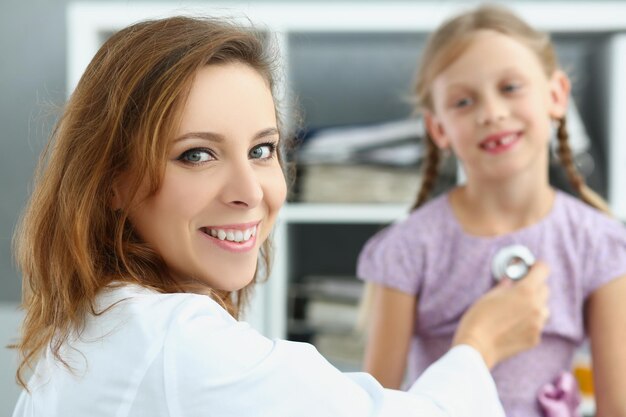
x,y
211,136
216,137
271,131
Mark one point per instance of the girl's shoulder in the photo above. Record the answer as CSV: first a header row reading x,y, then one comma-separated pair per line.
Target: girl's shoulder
x,y
600,241
434,215
576,214
600,237
436,209
424,226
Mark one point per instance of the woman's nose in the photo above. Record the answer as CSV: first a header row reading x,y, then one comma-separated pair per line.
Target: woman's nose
x,y
242,187
492,109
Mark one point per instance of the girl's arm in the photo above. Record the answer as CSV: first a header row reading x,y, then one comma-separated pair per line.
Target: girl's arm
x,y
606,321
392,320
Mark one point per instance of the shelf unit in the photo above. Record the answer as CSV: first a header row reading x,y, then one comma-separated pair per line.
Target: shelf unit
x,y
602,22
90,23
272,303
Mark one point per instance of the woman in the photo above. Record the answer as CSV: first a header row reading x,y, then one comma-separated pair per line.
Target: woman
x,y
146,230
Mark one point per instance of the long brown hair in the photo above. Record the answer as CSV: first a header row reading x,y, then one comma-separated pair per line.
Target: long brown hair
x,y
448,42
70,243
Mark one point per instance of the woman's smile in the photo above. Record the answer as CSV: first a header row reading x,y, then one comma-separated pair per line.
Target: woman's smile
x,y
233,238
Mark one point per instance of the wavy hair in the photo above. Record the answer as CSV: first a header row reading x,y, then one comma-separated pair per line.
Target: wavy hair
x,y
70,243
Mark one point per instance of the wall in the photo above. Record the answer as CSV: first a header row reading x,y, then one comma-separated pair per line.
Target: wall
x,y
32,74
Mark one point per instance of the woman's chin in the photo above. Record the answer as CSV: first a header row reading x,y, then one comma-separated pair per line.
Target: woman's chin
x,y
232,280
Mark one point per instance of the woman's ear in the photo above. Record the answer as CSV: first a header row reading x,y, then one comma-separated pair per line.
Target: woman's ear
x,y
119,192
116,199
435,130
560,88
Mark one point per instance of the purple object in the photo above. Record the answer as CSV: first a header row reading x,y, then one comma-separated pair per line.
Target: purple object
x,y
560,398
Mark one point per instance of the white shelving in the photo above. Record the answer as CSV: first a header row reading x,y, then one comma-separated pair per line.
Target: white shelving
x,y
269,310
89,23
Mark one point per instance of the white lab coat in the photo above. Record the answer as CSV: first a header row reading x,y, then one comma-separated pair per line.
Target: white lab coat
x,y
183,355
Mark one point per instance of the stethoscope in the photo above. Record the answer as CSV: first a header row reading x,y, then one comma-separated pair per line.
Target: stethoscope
x,y
512,261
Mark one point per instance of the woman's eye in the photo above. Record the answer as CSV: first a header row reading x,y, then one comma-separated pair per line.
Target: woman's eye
x,y
263,151
195,156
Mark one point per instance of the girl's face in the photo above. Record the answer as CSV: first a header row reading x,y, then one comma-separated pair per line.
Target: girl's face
x,y
223,185
494,105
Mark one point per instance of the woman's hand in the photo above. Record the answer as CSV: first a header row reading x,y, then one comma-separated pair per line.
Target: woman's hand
x,y
508,319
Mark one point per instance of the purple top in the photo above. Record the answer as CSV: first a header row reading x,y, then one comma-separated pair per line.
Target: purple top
x,y
428,254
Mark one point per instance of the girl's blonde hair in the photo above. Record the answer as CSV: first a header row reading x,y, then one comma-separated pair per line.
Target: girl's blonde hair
x,y
447,43
70,243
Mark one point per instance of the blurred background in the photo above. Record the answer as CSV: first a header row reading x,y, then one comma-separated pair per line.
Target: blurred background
x,y
347,84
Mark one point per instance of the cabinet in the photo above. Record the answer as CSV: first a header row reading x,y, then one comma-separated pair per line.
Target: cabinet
x,y
330,51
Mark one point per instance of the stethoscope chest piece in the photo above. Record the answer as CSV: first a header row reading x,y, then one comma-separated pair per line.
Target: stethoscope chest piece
x,y
512,261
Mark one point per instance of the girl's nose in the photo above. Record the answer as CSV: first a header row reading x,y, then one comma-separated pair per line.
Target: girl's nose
x,y
491,110
242,187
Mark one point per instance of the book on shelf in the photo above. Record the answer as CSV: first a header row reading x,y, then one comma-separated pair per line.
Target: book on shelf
x,y
325,311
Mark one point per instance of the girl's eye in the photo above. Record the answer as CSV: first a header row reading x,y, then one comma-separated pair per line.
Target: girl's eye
x,y
464,102
196,156
511,87
263,151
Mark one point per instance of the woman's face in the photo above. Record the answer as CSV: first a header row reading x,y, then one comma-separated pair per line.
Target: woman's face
x,y
223,185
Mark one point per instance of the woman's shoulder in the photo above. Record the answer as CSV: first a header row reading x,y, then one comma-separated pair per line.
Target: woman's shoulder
x,y
131,308
198,339
137,340
132,320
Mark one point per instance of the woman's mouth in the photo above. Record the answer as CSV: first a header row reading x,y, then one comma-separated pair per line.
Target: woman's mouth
x,y
235,238
232,235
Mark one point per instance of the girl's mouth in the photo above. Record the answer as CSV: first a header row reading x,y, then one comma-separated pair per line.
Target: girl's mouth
x,y
500,142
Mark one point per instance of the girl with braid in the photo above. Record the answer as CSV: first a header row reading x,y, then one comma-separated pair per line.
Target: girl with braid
x,y
490,90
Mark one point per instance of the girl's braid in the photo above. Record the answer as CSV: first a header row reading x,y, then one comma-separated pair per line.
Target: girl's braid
x,y
564,152
431,171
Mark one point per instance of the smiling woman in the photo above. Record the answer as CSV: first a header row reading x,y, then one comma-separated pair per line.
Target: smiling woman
x,y
222,182
150,215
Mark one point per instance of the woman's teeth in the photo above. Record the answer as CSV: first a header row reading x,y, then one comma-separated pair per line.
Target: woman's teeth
x,y
233,235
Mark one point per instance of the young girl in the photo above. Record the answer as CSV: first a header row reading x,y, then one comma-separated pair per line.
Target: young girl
x,y
143,236
490,90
